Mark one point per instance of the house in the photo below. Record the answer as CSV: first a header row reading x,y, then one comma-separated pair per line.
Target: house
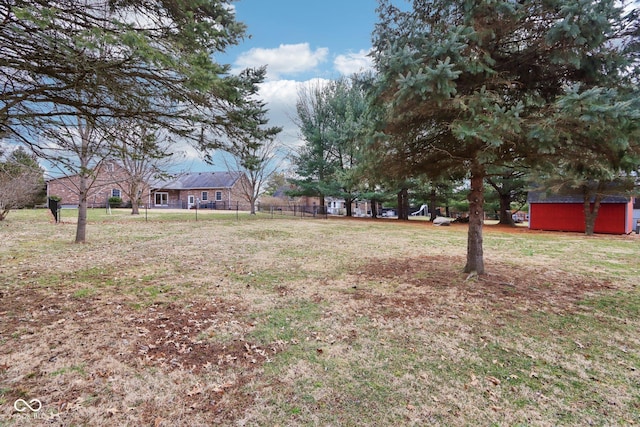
x,y
359,208
110,178
335,206
207,190
566,213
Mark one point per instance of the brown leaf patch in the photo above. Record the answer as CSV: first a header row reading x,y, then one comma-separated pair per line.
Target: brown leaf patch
x,y
431,287
174,337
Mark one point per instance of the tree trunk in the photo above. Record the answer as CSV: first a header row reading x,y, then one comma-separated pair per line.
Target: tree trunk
x,y
374,208
432,204
475,256
405,207
590,213
81,229
253,206
135,199
347,204
403,204
505,210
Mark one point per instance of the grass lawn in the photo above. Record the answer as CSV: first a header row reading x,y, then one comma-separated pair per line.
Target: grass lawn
x,y
162,320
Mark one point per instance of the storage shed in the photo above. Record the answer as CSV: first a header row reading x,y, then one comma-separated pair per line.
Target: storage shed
x,y
566,213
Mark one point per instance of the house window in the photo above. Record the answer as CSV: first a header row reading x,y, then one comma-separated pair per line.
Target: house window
x,y
162,199
110,168
218,196
115,192
205,196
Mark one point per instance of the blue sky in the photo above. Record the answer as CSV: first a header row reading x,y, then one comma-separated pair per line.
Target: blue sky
x,y
304,39
300,42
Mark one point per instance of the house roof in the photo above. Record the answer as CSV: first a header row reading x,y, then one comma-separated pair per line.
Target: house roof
x,y
541,197
198,180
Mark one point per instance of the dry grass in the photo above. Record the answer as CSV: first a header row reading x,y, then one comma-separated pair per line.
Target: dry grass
x,y
234,320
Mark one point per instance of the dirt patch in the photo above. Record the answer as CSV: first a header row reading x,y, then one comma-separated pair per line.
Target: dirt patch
x,y
429,287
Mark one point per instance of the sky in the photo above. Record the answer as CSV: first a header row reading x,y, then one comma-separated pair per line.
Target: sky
x,y
299,41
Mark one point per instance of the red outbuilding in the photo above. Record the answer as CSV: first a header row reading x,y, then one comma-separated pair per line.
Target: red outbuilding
x,y
566,213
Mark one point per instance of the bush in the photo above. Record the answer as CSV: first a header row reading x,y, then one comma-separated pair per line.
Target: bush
x,y
115,201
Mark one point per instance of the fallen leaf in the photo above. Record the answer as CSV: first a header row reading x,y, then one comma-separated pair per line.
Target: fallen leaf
x,y
474,380
194,391
494,380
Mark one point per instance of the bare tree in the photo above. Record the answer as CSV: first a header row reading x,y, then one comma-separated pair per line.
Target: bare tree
x,y
77,148
144,153
253,144
258,164
21,181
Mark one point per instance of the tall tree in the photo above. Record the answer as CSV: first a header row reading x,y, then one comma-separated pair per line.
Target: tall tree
x,y
334,125
21,180
313,159
464,80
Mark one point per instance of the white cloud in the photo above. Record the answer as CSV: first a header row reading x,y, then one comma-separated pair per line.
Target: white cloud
x,y
353,62
281,97
285,59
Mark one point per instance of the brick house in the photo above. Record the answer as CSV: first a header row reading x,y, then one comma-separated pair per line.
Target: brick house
x,y
110,179
209,190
